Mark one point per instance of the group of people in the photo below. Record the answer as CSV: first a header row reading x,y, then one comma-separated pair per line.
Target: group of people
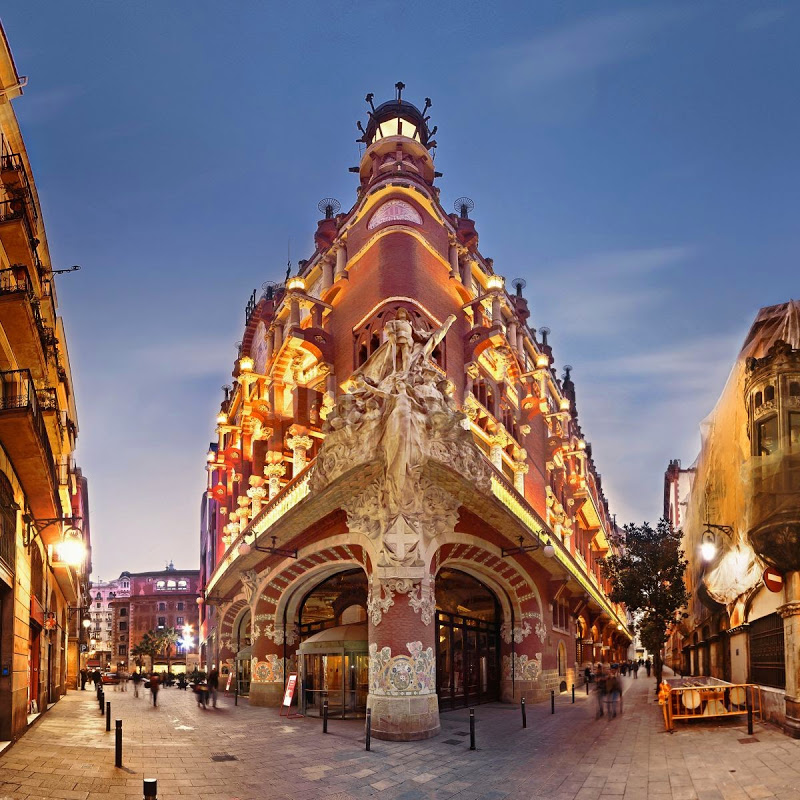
x,y
608,688
205,690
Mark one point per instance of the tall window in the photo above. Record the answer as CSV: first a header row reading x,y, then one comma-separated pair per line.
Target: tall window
x,y
794,431
767,437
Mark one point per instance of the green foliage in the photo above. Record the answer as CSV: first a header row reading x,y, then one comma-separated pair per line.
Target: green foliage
x,y
646,571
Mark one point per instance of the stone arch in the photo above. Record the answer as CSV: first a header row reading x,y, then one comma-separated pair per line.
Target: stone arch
x,y
227,625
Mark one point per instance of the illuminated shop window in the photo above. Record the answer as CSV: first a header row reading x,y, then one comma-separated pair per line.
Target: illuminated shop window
x,y
161,584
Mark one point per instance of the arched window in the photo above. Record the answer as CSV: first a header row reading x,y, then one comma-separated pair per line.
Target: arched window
x,y
37,574
759,400
769,393
562,659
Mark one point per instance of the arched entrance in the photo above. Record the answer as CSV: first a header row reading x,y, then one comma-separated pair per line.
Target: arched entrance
x,y
333,657
468,618
244,653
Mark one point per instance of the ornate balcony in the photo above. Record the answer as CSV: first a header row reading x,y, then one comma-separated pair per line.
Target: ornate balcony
x,y
23,435
17,228
21,319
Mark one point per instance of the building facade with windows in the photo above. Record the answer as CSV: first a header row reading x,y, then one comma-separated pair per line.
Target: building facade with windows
x,y
738,506
157,602
401,504
102,647
44,512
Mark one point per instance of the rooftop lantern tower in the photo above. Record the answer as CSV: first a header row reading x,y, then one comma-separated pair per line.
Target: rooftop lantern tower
x,y
397,139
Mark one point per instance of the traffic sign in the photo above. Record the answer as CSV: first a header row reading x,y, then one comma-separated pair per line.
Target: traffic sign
x,y
773,580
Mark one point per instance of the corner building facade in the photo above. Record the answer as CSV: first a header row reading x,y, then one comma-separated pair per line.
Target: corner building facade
x,y
401,506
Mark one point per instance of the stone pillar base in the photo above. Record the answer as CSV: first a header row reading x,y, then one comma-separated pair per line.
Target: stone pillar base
x,y
404,719
266,694
792,725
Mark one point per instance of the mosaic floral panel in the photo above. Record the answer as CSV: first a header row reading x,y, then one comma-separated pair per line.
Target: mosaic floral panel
x,y
402,675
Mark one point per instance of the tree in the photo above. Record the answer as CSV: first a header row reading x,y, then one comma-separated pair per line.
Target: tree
x,y
148,646
167,639
646,569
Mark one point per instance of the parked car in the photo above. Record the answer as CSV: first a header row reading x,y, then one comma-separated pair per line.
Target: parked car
x,y
110,677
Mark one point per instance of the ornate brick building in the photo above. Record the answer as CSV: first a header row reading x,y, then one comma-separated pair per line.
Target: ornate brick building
x,y
401,505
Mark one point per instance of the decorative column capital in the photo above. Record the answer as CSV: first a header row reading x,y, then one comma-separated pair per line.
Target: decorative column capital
x,y
299,442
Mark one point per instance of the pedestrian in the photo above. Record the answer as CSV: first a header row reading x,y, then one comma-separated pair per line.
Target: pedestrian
x,y
97,678
599,691
123,681
155,684
84,678
612,692
648,666
587,675
213,685
137,679
201,690
636,670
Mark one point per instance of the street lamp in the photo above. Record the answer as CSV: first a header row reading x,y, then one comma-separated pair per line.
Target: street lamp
x,y
708,541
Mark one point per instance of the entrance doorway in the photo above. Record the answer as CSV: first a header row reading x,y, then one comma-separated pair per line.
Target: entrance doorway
x,y
468,641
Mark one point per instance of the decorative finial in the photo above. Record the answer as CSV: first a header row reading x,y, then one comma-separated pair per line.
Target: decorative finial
x,y
329,206
463,205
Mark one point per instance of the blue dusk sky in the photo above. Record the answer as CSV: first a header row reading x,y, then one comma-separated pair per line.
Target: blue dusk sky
x,y
636,163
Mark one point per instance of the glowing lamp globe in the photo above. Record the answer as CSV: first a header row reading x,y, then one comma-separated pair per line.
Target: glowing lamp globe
x,y
87,622
296,284
542,361
245,549
199,601
708,550
495,282
246,364
549,550
72,550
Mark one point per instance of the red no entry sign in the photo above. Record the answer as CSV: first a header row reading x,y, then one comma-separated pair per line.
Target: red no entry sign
x,y
773,580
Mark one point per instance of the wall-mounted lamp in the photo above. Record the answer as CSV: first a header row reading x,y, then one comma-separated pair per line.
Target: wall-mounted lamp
x,y
245,548
708,541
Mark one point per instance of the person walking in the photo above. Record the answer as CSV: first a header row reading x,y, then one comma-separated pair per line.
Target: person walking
x,y
97,678
84,678
636,670
612,692
213,685
599,691
648,666
155,685
137,679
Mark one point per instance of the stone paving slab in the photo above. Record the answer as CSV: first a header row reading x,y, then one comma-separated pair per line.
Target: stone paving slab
x,y
563,756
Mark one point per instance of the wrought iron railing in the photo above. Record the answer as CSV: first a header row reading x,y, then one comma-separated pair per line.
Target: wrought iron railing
x,y
17,392
15,279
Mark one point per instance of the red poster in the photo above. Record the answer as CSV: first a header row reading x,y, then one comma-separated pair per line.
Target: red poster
x,y
288,695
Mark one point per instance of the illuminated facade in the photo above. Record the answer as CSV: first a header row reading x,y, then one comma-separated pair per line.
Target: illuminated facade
x,y
401,505
44,513
739,508
156,601
102,646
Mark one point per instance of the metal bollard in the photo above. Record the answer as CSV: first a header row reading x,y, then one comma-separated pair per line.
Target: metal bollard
x,y
324,716
118,744
524,715
586,684
369,727
573,692
472,729
552,701
236,695
749,711
150,789
101,699
108,715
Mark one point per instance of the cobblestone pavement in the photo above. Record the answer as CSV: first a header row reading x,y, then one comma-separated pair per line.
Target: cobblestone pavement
x,y
565,756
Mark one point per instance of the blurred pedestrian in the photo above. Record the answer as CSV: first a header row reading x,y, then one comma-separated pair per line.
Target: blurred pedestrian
x,y
137,679
648,666
612,693
155,685
213,685
599,691
636,669
84,678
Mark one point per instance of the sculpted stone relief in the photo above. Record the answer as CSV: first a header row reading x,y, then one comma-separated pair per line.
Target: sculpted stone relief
x,y
421,598
396,676
399,412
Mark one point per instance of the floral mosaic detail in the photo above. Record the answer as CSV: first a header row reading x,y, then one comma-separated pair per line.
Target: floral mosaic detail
x,y
268,671
395,676
524,668
394,211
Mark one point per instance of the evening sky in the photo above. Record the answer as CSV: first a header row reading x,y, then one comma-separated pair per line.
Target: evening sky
x,y
636,163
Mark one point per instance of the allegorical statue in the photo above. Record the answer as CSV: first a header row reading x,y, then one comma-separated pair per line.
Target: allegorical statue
x,y
398,412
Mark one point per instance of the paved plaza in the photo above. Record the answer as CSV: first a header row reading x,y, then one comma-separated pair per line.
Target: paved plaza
x,y
241,752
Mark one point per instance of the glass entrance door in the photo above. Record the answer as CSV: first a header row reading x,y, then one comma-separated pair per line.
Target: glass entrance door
x,y
342,680
467,663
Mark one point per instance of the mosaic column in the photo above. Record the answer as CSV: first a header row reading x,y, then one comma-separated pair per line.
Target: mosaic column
x,y
270,661
402,659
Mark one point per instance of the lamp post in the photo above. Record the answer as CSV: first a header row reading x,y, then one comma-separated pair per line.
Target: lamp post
x,y
708,541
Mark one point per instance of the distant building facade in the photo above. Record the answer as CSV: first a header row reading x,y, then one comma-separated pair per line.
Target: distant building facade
x,y
738,506
45,558
102,647
401,505
158,601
